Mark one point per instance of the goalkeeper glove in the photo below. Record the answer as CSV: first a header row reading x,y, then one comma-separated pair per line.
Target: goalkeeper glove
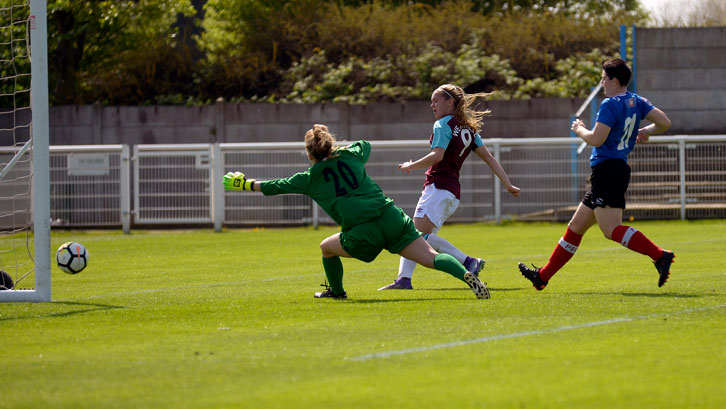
x,y
237,181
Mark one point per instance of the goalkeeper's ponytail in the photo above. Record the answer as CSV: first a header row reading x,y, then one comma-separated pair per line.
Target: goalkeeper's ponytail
x,y
319,142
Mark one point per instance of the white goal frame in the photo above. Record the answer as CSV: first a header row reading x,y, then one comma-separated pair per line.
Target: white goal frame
x,y
39,137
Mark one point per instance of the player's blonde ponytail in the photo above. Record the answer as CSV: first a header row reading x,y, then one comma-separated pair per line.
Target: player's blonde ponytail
x,y
463,112
319,142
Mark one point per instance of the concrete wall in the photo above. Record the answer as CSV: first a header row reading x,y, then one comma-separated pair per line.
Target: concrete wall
x,y
683,72
227,122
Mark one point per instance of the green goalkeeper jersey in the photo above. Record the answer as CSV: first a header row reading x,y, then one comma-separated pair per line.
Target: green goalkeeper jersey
x,y
338,184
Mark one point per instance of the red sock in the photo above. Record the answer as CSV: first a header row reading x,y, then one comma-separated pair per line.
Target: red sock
x,y
634,240
562,254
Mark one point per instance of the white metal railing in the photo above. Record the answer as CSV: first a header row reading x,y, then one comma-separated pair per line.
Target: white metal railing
x,y
551,173
90,186
173,184
673,177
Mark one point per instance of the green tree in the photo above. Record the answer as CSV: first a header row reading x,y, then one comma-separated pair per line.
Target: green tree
x,y
193,51
580,8
110,49
247,42
303,50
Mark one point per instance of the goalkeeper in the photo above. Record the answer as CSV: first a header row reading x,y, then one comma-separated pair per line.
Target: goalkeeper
x,y
370,222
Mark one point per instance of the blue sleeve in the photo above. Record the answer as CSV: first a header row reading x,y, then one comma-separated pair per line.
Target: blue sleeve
x,y
478,141
645,107
442,134
606,114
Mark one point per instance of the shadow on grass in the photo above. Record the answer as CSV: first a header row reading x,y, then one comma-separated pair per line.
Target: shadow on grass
x,y
664,295
376,300
650,295
84,307
468,289
427,299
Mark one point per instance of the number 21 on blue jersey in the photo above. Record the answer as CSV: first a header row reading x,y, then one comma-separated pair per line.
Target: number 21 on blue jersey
x,y
628,130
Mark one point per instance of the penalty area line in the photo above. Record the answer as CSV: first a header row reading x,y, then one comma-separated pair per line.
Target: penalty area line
x,y
388,354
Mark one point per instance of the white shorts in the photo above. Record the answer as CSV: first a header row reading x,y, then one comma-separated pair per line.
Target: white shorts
x,y
437,204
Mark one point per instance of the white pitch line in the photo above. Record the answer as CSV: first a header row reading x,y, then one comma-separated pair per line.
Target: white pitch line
x,y
388,354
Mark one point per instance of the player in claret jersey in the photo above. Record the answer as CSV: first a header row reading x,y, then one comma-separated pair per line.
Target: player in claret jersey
x,y
455,135
614,136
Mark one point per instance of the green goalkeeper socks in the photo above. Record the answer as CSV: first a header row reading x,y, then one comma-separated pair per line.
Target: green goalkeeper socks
x,y
334,272
449,265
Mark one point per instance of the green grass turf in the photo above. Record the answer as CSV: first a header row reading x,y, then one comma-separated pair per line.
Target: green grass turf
x,y
197,319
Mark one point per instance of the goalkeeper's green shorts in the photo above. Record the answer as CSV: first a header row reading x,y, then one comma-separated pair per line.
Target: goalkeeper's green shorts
x,y
393,231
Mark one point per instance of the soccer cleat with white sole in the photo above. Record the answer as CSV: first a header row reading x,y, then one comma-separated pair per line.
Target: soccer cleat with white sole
x,y
480,289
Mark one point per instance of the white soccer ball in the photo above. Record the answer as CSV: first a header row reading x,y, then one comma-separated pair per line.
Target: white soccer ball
x,y
71,257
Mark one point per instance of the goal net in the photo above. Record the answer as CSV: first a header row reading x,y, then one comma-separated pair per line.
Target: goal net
x,y
24,155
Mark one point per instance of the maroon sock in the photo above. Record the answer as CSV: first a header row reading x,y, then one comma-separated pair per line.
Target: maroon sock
x,y
634,240
563,252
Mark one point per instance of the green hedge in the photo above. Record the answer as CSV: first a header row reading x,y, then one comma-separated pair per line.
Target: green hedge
x,y
127,52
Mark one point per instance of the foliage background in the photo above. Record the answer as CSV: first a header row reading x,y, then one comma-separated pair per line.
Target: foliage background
x,y
128,52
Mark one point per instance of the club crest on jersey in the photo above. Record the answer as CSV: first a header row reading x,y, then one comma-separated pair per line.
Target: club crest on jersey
x,y
631,102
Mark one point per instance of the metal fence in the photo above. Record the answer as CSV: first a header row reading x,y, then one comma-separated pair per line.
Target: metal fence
x,y
673,177
89,186
173,184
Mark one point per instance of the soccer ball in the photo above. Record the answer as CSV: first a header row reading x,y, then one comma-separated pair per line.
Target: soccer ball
x,y
6,282
71,257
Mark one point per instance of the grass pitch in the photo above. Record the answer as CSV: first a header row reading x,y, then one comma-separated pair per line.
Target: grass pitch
x,y
197,319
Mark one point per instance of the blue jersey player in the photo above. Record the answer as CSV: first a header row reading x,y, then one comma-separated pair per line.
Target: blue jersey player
x,y
455,135
614,136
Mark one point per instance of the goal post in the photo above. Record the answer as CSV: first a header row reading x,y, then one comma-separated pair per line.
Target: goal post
x,y
36,148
